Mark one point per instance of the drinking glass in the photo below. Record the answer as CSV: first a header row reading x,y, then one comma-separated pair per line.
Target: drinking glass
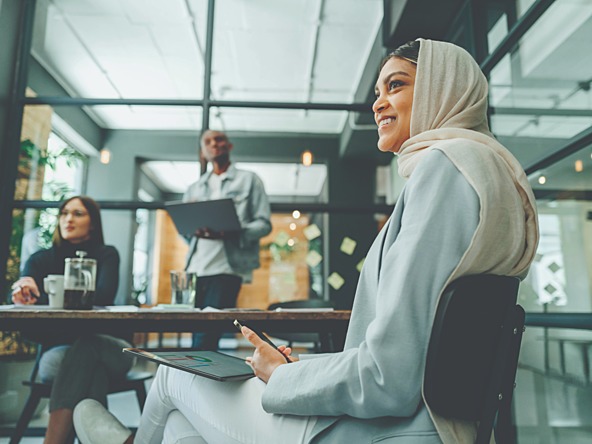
x,y
183,286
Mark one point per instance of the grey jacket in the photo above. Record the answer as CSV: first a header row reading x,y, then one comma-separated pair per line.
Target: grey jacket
x,y
371,392
252,207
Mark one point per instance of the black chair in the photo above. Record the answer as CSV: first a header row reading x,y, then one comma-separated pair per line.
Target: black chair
x,y
301,337
133,381
473,354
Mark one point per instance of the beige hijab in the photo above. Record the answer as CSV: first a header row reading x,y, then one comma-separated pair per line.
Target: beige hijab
x,y
450,114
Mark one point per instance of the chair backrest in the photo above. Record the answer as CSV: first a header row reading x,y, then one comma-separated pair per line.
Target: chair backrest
x,y
472,355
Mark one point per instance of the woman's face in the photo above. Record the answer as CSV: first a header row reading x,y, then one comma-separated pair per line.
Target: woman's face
x,y
394,100
75,223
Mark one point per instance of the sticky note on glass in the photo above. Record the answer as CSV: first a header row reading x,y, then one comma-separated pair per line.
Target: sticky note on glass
x,y
360,265
335,281
282,238
312,232
313,258
348,245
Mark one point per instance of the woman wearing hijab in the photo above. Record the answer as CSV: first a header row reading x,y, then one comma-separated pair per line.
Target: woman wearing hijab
x,y
467,208
78,367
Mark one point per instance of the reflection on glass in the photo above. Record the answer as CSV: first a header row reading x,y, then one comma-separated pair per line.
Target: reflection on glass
x,y
141,269
286,256
573,173
559,278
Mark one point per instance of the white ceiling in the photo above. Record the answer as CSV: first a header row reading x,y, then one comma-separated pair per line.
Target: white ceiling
x,y
264,50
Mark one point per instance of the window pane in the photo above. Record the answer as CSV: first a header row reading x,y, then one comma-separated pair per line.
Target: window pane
x,y
49,167
122,49
560,277
292,51
540,92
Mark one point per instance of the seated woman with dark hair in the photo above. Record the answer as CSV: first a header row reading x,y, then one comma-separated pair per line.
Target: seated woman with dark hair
x,y
79,367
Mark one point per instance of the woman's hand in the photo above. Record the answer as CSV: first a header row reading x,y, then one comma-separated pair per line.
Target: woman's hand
x,y
25,291
265,359
287,352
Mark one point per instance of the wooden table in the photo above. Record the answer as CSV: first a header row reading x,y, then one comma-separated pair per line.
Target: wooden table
x,y
330,325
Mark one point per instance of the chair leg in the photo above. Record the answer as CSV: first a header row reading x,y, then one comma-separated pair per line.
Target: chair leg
x,y
141,395
26,415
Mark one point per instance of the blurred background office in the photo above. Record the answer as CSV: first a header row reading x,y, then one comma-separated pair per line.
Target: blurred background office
x,y
108,98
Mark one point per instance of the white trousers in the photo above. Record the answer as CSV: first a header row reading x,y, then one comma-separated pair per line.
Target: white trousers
x,y
215,413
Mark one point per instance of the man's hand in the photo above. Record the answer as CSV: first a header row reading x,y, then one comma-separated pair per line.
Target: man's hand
x,y
25,291
265,359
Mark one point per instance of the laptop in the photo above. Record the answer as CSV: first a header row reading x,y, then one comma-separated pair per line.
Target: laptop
x,y
209,364
217,215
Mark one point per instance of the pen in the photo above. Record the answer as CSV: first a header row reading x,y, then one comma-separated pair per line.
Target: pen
x,y
240,324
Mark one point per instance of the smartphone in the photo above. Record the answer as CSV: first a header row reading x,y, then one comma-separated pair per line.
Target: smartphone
x,y
240,324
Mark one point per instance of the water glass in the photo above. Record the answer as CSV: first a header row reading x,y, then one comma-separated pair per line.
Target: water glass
x,y
183,286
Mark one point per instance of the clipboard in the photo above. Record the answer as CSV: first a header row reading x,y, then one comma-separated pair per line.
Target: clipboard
x,y
209,364
217,215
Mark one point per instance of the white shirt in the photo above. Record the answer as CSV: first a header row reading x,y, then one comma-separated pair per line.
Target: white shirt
x,y
210,257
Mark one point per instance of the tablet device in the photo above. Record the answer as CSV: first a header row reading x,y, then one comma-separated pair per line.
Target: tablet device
x,y
217,215
209,364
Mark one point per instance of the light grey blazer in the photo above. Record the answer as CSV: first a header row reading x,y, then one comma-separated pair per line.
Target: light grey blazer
x,y
371,392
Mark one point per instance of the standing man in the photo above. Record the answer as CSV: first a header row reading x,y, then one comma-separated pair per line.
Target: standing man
x,y
222,260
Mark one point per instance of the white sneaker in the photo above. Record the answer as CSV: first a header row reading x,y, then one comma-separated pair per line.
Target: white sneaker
x,y
95,425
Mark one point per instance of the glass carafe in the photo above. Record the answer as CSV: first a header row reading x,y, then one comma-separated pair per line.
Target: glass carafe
x,y
79,282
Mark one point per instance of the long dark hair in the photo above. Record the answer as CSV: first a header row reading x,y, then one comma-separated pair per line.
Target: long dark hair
x,y
96,226
408,51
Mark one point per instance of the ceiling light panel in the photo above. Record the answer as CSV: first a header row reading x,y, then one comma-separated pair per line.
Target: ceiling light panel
x,y
259,49
149,117
347,34
277,120
279,179
265,50
127,49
